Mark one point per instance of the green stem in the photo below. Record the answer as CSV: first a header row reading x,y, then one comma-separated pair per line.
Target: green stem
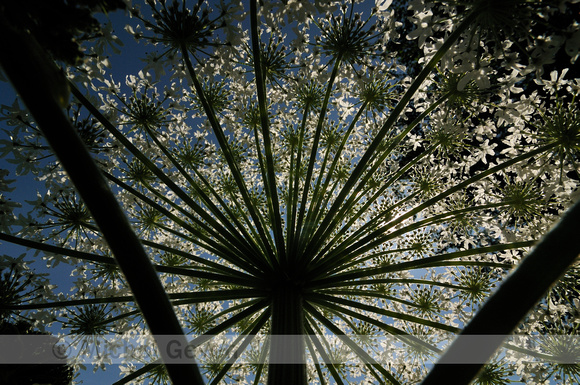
x,y
469,181
247,336
257,217
205,296
224,274
221,248
300,231
232,234
368,360
374,294
270,176
147,162
254,236
357,261
409,339
230,322
229,256
339,279
372,242
313,338
319,199
294,186
368,156
317,365
352,248
323,299
342,211
287,362
260,366
207,264
320,202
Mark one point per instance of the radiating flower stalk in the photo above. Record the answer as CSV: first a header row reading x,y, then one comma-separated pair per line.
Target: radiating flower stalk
x,y
288,179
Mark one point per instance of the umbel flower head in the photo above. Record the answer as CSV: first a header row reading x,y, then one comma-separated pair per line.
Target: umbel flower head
x,y
376,93
348,36
297,203
90,320
494,374
179,26
562,128
15,289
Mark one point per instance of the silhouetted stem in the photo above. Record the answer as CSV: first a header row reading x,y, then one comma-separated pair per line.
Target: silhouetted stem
x,y
27,67
516,296
287,344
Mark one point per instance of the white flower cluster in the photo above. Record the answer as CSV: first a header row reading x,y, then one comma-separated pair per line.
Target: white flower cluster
x,y
386,163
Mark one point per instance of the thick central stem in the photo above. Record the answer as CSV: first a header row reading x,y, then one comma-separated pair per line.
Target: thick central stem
x,y
287,358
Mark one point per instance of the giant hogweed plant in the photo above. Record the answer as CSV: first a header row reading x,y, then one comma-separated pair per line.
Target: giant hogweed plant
x,y
272,170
